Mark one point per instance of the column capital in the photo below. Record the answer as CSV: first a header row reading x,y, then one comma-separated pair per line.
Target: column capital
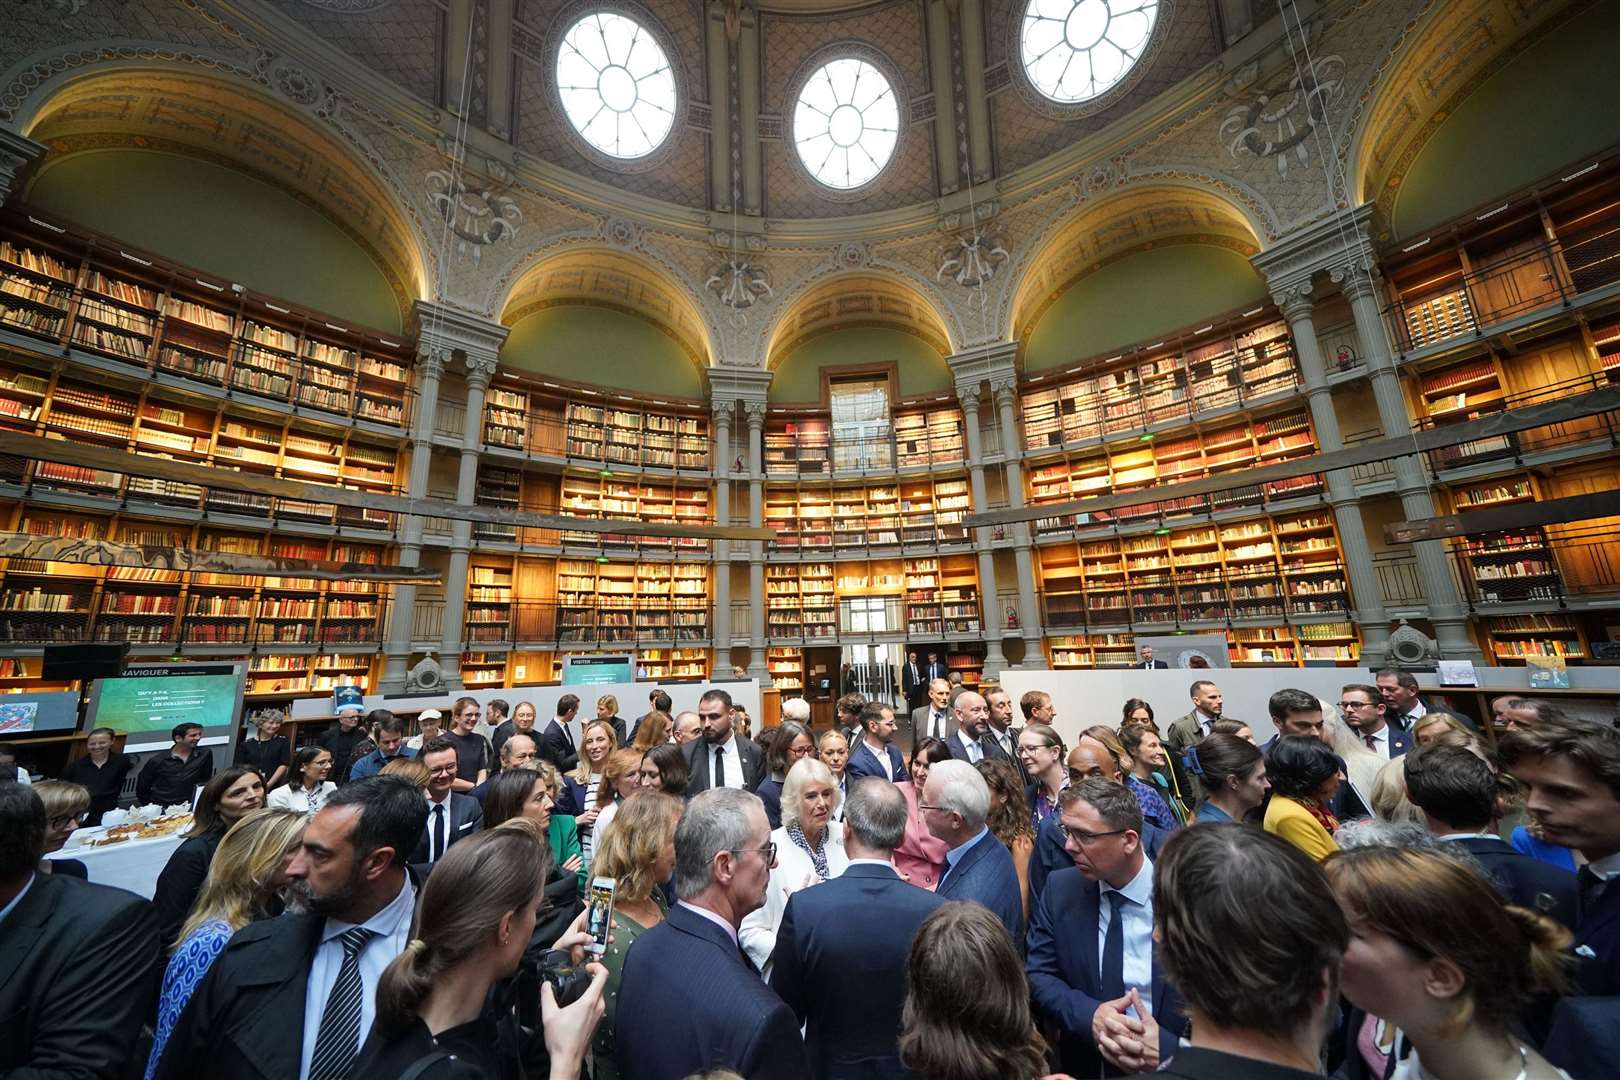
x,y
1327,245
431,361
480,370
970,397
1005,390
729,385
451,330
18,154
754,413
1294,300
1356,280
984,363
723,412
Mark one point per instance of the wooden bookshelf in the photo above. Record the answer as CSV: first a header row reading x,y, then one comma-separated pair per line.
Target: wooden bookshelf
x,y
103,299
1145,462
786,666
1514,638
1091,651
1202,372
916,512
620,436
942,597
798,447
929,436
594,495
615,602
1512,566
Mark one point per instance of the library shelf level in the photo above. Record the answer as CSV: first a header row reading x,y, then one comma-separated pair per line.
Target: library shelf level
x,y
922,435
547,419
518,668
147,315
822,519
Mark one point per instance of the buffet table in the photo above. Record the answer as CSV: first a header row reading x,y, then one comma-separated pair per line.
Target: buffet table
x,y
129,864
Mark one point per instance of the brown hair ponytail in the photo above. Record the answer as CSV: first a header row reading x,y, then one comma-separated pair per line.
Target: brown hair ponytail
x,y
478,881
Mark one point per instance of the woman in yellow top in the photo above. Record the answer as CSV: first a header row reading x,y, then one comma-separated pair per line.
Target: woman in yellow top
x,y
1305,774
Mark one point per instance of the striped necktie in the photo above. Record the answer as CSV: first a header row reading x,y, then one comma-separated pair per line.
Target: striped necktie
x,y
338,1040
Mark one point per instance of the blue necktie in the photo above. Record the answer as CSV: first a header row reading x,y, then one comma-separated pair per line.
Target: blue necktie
x,y
1113,956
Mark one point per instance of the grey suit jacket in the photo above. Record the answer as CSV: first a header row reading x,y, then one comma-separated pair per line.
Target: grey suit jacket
x,y
919,723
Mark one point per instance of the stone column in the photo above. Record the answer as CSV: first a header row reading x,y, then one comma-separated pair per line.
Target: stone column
x,y
754,413
995,661
397,652
1029,613
1368,599
722,548
480,369
1446,610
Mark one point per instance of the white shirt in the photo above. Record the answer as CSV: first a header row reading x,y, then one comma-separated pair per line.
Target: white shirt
x,y
711,916
937,722
393,927
289,797
1381,739
734,765
1137,912
23,777
882,754
1607,868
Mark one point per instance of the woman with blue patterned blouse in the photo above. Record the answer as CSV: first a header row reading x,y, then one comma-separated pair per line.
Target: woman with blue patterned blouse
x,y
244,884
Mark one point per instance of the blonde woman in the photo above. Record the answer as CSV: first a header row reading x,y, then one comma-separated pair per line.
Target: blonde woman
x,y
578,798
473,921
621,776
809,849
639,853
244,883
607,708
65,808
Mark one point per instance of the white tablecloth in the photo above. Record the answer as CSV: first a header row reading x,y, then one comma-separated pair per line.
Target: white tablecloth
x,y
133,864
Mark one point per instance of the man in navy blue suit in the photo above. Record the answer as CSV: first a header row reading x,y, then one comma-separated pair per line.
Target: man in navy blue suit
x,y
846,981
1363,710
875,753
689,999
955,805
1458,794
1572,769
1092,965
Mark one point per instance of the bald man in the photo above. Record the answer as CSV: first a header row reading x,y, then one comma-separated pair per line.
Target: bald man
x,y
1089,758
972,719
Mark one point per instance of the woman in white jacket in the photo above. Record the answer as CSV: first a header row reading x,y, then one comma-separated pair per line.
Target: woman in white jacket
x,y
809,850
307,790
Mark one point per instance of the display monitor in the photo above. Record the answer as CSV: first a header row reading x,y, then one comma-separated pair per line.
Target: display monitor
x,y
596,670
27,714
147,701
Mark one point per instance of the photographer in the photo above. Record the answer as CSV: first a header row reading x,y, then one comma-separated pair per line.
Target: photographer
x,y
473,921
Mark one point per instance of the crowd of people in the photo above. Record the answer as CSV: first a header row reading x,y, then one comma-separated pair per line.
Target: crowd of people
x,y
952,891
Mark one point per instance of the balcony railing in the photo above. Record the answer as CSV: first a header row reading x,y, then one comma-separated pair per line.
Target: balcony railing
x,y
1177,511
1214,597
1531,278
362,625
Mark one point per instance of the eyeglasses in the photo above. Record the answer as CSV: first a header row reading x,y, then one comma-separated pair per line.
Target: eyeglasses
x,y
1358,704
769,851
1086,839
941,809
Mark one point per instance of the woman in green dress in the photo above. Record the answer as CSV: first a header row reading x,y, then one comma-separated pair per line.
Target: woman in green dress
x,y
639,853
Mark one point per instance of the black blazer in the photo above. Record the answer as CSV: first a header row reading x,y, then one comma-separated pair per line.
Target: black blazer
x,y
688,1001
1524,881
466,818
555,748
78,978
846,981
1597,944
181,882
1063,974
697,765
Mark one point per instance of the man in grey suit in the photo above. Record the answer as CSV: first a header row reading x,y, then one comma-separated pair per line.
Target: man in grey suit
x,y
451,816
933,719
1000,739
1187,730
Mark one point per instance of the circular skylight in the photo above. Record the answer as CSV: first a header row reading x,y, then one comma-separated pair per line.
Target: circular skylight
x,y
616,85
846,123
1077,50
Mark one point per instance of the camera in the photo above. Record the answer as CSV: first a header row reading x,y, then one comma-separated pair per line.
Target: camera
x,y
567,981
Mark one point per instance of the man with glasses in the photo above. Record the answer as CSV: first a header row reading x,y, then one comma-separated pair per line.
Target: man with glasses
x,y
451,815
1092,968
955,805
689,999
1363,710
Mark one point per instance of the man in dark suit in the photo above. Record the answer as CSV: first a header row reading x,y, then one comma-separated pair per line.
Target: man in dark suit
x,y
1572,770
292,996
719,758
78,962
1458,794
955,805
1187,730
934,668
933,718
1363,710
1403,706
1000,739
913,681
1091,955
451,816
874,753
1147,663
690,1000
1089,759
559,743
971,718
846,981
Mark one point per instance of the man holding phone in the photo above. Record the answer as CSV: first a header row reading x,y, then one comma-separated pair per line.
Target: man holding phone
x,y
689,1000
